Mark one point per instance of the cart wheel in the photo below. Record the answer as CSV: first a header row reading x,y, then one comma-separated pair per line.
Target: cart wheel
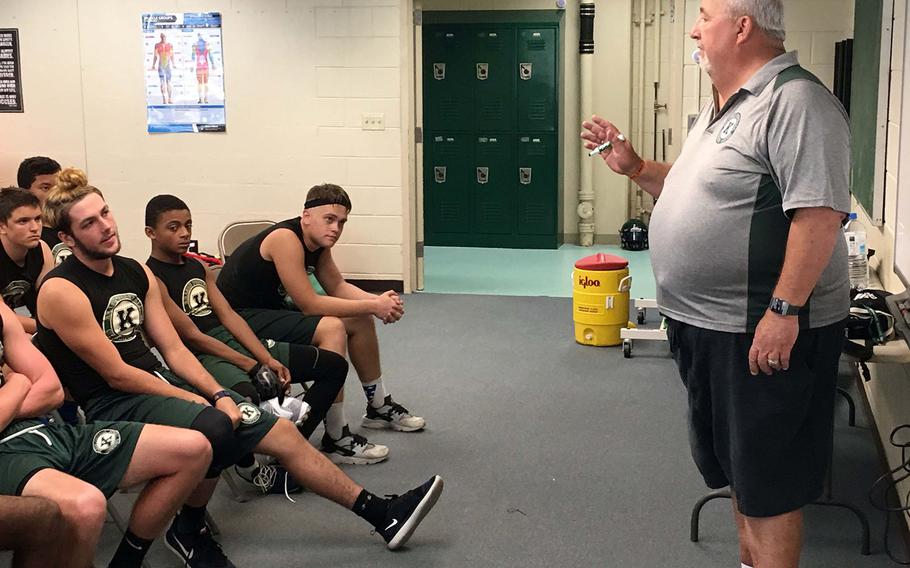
x,y
627,348
641,316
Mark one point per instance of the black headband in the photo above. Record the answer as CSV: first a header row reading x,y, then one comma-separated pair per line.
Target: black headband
x,y
321,201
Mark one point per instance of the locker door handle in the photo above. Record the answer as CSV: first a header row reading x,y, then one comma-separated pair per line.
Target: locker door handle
x,y
524,175
483,174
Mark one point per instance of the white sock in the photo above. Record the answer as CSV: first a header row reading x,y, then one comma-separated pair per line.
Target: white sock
x,y
375,392
744,565
335,420
248,471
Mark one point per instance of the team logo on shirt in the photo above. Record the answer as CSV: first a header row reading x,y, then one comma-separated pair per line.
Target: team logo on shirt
x,y
728,128
196,298
249,414
123,317
105,441
60,252
14,292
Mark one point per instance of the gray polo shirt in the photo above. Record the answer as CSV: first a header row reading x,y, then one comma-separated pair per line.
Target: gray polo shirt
x,y
719,230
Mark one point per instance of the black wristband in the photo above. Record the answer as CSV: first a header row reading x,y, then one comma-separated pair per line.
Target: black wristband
x,y
219,395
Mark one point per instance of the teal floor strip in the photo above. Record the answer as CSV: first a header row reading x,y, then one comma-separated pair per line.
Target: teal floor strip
x,y
521,272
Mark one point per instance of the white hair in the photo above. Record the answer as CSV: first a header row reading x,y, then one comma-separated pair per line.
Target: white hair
x,y
768,15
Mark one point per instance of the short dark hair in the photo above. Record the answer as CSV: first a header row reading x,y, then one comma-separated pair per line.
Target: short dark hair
x,y
161,204
328,194
12,198
30,168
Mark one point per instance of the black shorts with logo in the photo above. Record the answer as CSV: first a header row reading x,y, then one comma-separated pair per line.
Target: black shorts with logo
x,y
768,437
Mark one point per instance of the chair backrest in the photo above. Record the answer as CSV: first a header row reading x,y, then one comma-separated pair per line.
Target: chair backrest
x,y
236,233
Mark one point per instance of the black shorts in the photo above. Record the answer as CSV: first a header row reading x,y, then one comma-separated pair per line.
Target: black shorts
x,y
288,326
768,437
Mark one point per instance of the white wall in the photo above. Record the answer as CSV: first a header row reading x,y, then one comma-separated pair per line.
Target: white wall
x,y
298,75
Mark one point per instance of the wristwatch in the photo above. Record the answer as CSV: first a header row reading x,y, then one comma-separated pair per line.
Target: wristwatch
x,y
219,395
783,307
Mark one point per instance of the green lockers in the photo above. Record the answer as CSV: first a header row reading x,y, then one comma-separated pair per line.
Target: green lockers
x,y
490,132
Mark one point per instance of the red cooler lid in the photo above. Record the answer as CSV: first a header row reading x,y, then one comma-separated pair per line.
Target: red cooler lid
x,y
601,261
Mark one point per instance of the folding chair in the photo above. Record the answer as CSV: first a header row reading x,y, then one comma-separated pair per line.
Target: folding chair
x,y
236,233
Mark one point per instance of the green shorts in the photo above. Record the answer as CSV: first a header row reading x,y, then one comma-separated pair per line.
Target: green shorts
x,y
172,411
97,453
290,326
226,373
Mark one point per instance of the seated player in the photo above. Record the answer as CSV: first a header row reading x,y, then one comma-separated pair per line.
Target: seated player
x,y
275,264
38,174
24,258
221,339
94,311
79,467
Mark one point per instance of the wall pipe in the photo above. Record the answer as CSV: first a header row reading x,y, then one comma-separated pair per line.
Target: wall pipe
x,y
635,206
585,209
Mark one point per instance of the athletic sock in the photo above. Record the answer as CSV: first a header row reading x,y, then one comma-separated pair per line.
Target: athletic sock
x,y
371,508
189,520
131,552
375,392
335,420
744,565
247,465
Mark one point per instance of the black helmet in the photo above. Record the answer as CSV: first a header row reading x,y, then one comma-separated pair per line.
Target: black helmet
x,y
634,235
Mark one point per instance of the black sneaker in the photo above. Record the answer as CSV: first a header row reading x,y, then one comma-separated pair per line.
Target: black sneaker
x,y
406,512
197,550
271,479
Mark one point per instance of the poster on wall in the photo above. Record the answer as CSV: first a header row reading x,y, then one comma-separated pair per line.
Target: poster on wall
x,y
10,81
184,72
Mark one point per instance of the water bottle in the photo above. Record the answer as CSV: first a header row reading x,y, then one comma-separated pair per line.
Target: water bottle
x,y
857,260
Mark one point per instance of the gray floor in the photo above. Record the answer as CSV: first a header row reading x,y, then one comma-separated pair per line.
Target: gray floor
x,y
553,454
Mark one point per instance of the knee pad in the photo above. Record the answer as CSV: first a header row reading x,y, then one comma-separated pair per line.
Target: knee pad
x,y
248,391
309,363
218,430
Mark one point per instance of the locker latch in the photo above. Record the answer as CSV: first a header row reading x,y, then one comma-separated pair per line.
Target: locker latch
x,y
483,71
483,174
524,175
524,71
439,174
439,71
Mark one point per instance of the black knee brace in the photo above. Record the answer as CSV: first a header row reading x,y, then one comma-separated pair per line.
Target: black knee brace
x,y
247,390
217,428
327,370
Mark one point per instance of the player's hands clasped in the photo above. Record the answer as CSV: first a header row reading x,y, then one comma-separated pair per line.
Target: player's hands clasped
x,y
389,307
620,156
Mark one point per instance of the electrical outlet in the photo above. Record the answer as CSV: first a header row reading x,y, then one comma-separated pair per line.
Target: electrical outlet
x,y
372,121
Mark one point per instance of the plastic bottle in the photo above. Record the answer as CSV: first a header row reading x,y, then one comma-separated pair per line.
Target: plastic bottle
x,y
857,259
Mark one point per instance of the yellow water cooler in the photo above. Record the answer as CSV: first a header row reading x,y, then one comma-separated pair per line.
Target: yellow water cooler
x,y
600,299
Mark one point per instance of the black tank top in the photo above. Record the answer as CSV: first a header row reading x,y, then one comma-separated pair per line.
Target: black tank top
x,y
186,286
117,304
59,251
18,283
249,281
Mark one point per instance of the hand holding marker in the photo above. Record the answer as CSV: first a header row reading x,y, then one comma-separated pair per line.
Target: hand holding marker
x,y
605,146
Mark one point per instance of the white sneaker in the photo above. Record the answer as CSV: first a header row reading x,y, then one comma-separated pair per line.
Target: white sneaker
x,y
353,449
392,415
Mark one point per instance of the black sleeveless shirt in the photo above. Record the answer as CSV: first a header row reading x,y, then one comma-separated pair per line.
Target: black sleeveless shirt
x,y
249,281
59,251
118,306
18,284
186,286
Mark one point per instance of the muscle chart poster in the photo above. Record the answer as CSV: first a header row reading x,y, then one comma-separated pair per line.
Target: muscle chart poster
x,y
184,72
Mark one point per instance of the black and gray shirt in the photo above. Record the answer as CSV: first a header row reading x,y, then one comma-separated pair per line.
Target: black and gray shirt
x,y
19,284
59,250
719,231
186,285
118,307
